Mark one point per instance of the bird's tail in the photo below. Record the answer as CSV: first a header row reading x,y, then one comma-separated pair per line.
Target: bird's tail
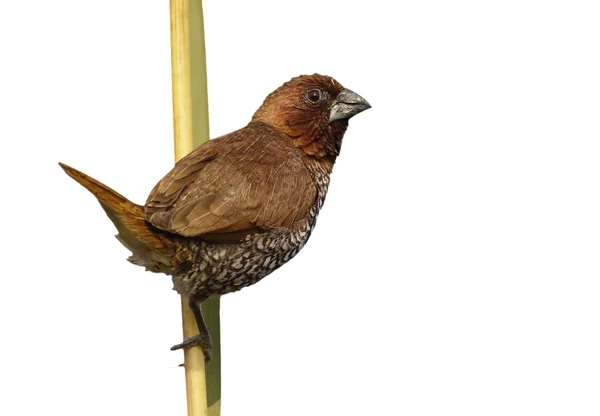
x,y
149,246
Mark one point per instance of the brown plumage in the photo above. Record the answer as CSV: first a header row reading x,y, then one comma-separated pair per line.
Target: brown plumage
x,y
239,206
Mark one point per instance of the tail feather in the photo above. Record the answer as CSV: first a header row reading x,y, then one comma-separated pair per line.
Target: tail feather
x,y
148,245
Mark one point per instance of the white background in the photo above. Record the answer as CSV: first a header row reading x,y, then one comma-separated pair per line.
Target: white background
x,y
455,267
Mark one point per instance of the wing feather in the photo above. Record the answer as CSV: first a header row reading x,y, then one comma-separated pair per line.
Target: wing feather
x,y
249,181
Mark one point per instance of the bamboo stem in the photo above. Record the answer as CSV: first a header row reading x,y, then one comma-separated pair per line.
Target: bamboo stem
x,y
195,372
190,122
181,78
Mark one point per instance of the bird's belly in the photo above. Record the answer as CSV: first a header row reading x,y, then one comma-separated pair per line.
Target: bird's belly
x,y
224,268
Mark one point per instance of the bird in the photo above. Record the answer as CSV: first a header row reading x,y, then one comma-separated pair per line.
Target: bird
x,y
238,207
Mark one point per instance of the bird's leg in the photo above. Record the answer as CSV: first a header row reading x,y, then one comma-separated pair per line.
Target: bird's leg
x,y
203,338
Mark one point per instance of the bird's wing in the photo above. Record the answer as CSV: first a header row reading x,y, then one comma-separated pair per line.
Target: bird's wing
x,y
248,181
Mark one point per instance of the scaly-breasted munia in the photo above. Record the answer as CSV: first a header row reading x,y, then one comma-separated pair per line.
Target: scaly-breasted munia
x,y
240,206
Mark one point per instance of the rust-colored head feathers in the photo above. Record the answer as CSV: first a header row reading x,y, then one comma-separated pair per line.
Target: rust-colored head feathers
x,y
304,109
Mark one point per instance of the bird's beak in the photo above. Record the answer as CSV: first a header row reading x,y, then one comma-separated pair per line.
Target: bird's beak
x,y
346,105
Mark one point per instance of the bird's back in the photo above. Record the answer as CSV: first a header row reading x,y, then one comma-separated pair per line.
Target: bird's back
x,y
251,180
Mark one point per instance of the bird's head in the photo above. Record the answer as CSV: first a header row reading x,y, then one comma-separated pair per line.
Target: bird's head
x,y
313,110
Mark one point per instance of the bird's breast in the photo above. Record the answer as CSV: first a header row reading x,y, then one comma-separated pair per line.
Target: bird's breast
x,y
217,269
224,268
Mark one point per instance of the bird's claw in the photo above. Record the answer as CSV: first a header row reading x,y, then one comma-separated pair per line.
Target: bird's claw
x,y
198,340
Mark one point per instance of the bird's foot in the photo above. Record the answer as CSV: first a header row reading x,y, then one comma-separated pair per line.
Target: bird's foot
x,y
201,340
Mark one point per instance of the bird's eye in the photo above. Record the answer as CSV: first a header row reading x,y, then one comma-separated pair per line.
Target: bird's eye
x,y
313,96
